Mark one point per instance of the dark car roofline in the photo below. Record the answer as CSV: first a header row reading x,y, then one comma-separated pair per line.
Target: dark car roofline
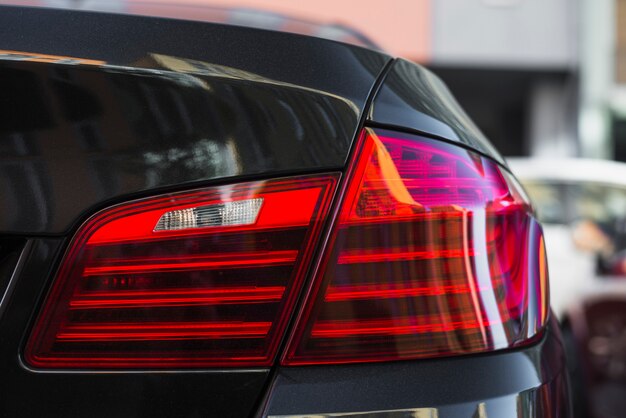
x,y
125,40
233,16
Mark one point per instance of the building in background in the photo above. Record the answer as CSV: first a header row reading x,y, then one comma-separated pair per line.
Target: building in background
x,y
513,65
540,77
613,113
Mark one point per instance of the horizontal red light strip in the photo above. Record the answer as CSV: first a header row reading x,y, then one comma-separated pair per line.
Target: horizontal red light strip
x,y
131,362
391,326
448,216
375,256
434,183
164,331
345,293
152,299
140,226
216,262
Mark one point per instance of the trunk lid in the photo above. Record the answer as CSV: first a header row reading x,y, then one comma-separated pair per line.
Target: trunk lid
x,y
99,109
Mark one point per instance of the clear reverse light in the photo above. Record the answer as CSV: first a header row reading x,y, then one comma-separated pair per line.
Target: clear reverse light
x,y
242,212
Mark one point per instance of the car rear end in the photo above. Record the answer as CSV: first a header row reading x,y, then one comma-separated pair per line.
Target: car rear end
x,y
209,220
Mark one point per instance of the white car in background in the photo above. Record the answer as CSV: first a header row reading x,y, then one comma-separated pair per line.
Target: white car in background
x,y
582,205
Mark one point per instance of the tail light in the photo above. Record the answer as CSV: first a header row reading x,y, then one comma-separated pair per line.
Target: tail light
x,y
434,253
200,279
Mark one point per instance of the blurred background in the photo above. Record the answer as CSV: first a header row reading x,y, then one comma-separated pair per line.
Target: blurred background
x,y
546,82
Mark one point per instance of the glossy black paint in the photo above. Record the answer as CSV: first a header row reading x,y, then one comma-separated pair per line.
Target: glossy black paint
x,y
26,393
411,97
149,103
100,108
529,382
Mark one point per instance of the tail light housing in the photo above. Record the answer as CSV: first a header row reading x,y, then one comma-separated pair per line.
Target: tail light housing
x,y
200,279
432,251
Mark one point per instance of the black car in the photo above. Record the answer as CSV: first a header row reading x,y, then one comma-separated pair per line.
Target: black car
x,y
199,219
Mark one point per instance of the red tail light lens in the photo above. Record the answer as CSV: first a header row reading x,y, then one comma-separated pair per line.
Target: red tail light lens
x,y
435,253
200,279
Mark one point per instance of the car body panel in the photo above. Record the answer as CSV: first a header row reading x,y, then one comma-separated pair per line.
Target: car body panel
x,y
475,386
173,106
411,97
206,12
34,393
105,108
